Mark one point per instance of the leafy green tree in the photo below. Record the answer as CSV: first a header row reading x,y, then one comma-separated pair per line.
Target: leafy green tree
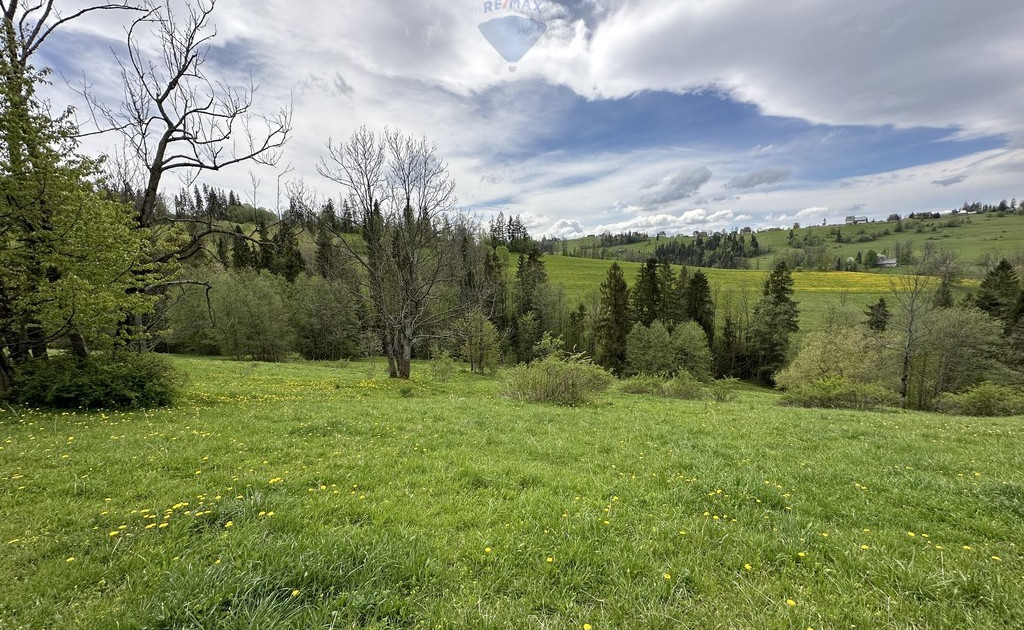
x,y
478,342
649,350
842,352
324,316
251,318
67,252
613,322
690,350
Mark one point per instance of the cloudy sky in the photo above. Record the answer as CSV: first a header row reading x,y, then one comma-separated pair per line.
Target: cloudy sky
x,y
637,114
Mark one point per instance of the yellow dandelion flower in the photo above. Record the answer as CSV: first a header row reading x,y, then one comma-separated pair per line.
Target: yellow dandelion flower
x,y
911,534
114,533
587,626
997,558
748,567
70,559
667,576
967,547
229,524
162,525
790,602
865,546
550,559
487,550
295,593
802,554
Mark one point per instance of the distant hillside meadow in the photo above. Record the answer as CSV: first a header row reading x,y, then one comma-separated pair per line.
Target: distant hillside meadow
x,y
328,496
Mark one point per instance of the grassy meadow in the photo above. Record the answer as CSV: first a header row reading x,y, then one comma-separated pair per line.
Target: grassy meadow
x,y
815,291
326,496
971,236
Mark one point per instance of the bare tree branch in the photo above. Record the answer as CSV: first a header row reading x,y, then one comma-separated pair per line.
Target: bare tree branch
x,y
174,117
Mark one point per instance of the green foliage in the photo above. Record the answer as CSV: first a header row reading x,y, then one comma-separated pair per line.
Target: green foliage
x,y
878,315
722,390
690,347
613,322
843,352
773,321
126,380
564,381
70,258
645,297
986,399
699,306
999,292
250,316
684,386
955,349
324,316
836,392
442,367
478,342
643,384
649,350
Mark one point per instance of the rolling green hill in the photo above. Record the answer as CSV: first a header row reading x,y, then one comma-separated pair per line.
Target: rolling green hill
x,y
815,291
971,236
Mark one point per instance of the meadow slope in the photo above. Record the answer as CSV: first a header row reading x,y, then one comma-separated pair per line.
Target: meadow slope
x,y
314,496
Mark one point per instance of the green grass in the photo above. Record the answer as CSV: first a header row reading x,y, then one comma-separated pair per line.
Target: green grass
x,y
815,291
978,235
312,496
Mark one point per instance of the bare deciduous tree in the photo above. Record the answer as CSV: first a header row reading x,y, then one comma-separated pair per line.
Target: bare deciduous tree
x,y
174,116
404,200
34,21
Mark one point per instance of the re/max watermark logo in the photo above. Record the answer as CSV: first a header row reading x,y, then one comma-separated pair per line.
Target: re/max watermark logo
x,y
523,6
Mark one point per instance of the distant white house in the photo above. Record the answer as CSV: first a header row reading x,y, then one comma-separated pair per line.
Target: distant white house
x,y
851,220
885,261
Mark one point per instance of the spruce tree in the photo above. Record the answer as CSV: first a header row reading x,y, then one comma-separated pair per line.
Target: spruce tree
x,y
699,305
775,317
613,321
645,298
878,316
999,292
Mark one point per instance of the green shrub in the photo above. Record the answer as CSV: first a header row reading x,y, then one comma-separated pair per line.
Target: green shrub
x,y
442,367
684,386
986,399
643,384
125,381
838,393
722,390
565,381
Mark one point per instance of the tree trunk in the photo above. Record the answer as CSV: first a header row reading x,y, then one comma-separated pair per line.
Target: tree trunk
x,y
6,374
78,345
